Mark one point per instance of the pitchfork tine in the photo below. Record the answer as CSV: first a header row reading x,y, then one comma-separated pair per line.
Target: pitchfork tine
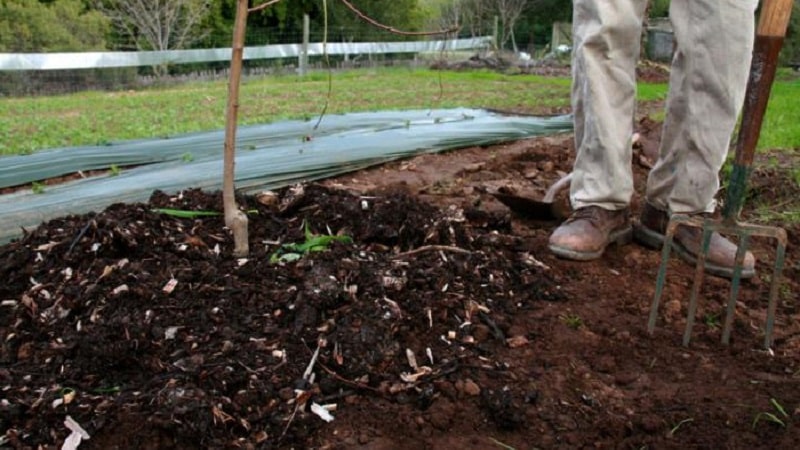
x,y
770,33
735,282
777,273
662,275
698,282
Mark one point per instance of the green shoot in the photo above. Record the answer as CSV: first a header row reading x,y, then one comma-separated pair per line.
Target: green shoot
x,y
107,390
680,424
313,243
37,188
184,214
711,320
571,320
779,407
187,157
114,170
502,445
770,417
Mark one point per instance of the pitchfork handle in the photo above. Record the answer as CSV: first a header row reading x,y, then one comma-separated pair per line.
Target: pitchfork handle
x,y
770,33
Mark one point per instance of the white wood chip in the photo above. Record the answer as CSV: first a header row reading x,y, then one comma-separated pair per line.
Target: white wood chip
x,y
412,359
120,289
322,412
171,332
170,286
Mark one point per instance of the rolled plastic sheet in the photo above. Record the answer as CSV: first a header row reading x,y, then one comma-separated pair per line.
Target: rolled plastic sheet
x,y
268,157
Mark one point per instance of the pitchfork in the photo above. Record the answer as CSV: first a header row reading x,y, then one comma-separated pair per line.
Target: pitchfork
x,y
770,34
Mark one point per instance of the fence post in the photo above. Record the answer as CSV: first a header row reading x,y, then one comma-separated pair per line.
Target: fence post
x,y
303,57
496,33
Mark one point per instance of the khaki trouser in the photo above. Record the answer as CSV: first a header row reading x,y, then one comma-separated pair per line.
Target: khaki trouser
x,y
714,41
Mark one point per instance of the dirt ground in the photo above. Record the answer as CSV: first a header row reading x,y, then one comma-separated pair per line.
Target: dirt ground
x,y
443,322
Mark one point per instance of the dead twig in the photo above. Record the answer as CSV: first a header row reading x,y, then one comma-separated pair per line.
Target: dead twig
x,y
262,6
351,383
79,236
429,248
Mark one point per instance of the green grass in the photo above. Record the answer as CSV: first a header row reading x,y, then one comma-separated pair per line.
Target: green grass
x,y
781,127
98,118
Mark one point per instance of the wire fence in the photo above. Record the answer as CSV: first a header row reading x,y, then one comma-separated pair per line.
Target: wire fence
x,y
57,73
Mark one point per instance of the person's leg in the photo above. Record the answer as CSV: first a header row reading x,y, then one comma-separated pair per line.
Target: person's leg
x,y
606,42
606,37
709,75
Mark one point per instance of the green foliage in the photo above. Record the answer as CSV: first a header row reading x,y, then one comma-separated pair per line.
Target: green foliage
x,y
772,417
283,22
184,214
572,320
313,243
89,118
65,25
791,46
659,8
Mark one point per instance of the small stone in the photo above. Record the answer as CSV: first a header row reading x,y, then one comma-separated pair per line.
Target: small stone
x,y
471,388
480,332
227,347
474,167
672,309
624,379
531,173
25,351
517,341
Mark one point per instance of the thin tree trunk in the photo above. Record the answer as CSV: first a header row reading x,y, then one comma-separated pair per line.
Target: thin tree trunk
x,y
234,219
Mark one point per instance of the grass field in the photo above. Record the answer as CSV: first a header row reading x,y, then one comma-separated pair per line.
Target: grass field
x,y
31,124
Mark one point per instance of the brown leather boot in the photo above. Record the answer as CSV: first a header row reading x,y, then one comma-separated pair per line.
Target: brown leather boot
x,y
687,243
588,231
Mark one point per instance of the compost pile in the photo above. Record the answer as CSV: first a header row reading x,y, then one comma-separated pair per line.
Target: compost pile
x,y
398,307
140,314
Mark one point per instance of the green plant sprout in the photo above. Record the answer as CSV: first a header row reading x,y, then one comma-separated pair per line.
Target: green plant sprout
x,y
187,157
771,417
114,170
711,320
679,425
572,320
186,214
501,444
313,243
37,188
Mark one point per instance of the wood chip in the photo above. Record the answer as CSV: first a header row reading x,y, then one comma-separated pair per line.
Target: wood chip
x,y
517,341
170,286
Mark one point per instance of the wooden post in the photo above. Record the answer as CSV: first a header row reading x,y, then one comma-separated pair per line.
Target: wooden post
x,y
496,33
234,219
303,57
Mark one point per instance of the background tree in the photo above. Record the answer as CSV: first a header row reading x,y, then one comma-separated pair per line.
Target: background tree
x,y
66,25
157,24
508,13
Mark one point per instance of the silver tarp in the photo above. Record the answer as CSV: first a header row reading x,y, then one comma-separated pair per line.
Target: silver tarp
x,y
268,157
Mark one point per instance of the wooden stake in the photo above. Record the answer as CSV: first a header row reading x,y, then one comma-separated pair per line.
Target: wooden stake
x,y
234,219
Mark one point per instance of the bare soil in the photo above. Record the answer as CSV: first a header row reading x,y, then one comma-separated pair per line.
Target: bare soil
x,y
445,323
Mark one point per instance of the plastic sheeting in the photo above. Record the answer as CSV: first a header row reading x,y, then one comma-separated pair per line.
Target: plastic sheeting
x,y
268,157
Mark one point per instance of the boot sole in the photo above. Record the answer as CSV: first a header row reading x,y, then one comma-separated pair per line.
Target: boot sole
x,y
619,237
655,240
